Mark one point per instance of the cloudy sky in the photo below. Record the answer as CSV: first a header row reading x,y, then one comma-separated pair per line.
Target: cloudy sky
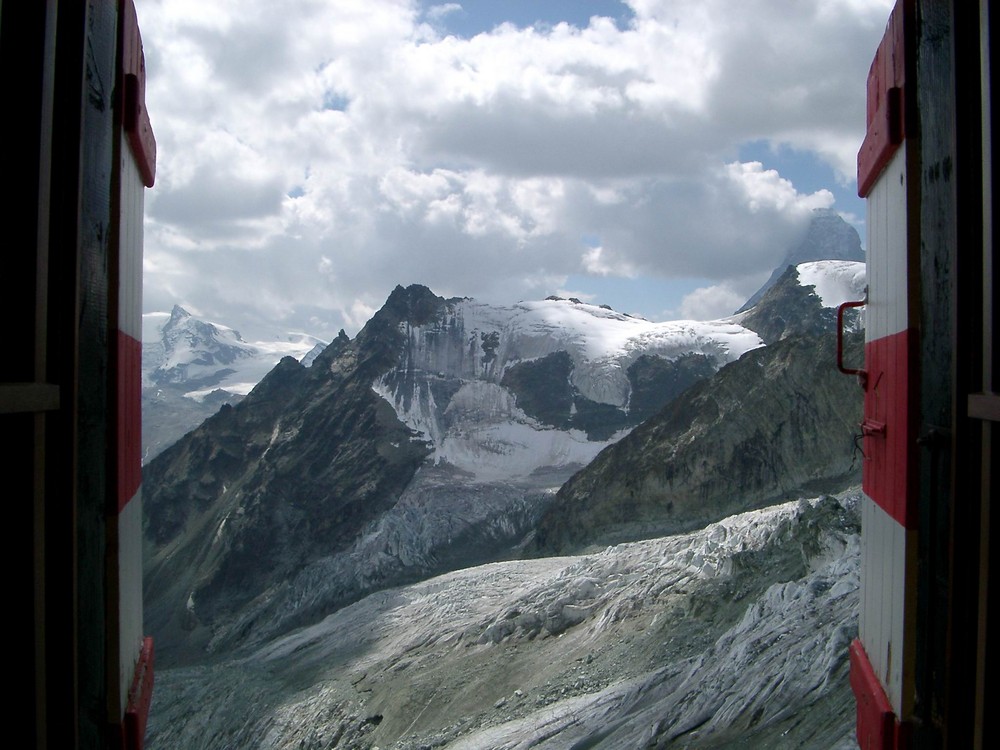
x,y
656,155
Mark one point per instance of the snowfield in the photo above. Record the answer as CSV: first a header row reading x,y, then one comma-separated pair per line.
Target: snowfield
x,y
835,281
736,633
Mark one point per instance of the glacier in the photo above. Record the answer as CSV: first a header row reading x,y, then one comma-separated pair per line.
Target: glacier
x,y
735,634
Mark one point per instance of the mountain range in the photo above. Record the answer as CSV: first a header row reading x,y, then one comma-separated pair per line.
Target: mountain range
x,y
307,493
288,535
829,237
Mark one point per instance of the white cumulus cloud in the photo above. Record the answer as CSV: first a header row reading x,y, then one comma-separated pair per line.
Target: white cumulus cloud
x,y
313,155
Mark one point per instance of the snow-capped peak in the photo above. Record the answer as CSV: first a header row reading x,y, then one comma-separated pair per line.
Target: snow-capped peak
x,y
182,349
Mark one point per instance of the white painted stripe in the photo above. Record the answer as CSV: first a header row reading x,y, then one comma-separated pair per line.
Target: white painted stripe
x,y
129,593
892,582
888,597
130,247
887,241
130,518
870,625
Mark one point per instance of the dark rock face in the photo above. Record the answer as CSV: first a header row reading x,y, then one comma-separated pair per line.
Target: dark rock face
x,y
829,238
778,420
544,390
167,415
289,474
789,309
656,381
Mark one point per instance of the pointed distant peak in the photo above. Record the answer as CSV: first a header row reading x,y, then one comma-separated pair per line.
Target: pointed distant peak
x,y
178,313
829,237
178,319
342,335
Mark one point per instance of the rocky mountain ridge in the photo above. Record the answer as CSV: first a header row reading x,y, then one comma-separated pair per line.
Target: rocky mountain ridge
x,y
293,539
262,488
307,494
439,437
779,421
504,391
385,462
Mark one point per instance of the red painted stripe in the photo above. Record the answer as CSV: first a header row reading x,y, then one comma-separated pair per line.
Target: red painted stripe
x,y
888,474
885,103
139,698
875,720
129,418
883,138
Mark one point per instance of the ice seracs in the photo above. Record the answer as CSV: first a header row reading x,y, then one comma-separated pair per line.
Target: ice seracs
x,y
736,632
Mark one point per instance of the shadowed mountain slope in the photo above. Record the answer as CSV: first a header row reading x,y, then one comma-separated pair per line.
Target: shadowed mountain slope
x,y
779,420
294,470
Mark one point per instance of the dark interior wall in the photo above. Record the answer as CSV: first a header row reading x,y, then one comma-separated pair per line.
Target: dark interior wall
x,y
934,117
94,434
954,444
58,60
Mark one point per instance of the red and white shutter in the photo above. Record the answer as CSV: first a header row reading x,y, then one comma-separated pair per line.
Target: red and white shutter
x,y
883,657
138,163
